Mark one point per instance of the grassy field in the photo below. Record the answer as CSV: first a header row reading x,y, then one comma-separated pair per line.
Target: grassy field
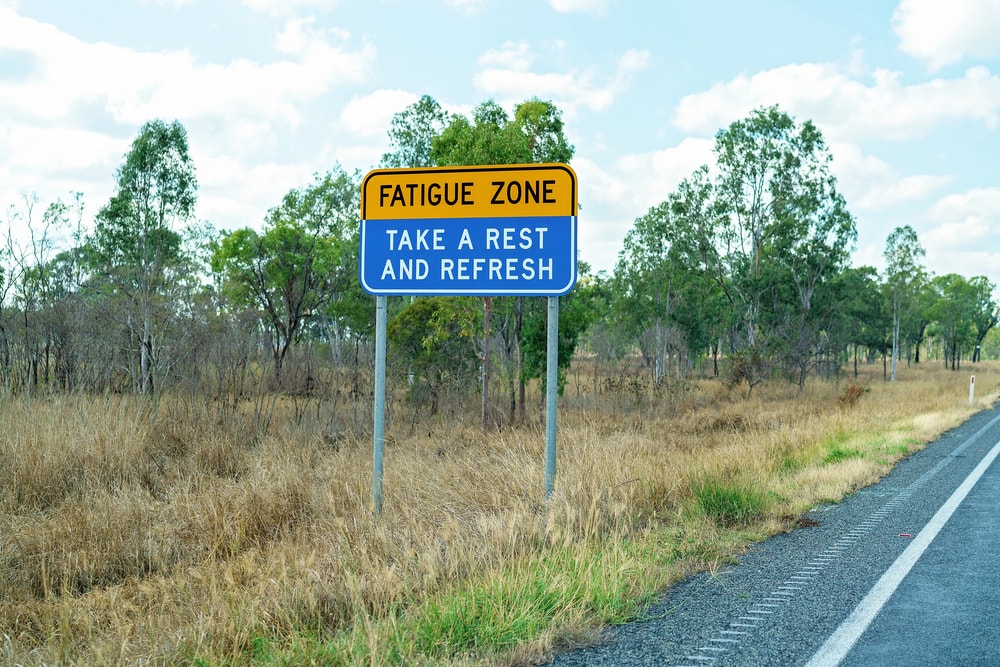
x,y
177,534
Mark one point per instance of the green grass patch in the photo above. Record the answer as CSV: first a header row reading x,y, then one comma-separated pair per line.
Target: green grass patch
x,y
732,504
493,613
837,454
836,439
516,605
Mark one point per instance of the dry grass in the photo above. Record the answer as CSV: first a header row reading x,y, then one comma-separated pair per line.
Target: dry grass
x,y
168,534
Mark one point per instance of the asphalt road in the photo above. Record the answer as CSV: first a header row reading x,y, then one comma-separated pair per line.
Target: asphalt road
x,y
904,572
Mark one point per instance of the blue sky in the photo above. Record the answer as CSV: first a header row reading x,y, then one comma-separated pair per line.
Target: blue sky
x,y
906,93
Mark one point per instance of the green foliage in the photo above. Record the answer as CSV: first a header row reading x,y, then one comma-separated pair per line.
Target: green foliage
x,y
412,132
836,454
503,609
864,317
136,252
492,137
785,224
431,340
952,312
984,310
732,504
577,311
905,280
535,134
748,257
668,300
302,265
156,188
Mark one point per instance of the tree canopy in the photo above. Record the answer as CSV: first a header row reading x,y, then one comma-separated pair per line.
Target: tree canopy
x,y
741,270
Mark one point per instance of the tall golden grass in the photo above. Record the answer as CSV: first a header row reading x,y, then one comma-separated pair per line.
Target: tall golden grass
x,y
171,533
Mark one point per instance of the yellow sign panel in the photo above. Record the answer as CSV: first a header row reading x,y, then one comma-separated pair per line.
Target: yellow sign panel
x,y
503,191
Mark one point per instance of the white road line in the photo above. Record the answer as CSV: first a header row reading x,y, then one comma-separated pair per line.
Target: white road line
x,y
836,647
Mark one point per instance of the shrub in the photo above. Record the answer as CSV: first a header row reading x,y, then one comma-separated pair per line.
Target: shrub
x,y
731,504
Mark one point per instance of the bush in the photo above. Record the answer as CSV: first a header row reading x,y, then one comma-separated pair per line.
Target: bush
x,y
732,505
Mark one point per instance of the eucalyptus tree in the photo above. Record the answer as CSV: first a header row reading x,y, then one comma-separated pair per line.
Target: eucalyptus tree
x,y
432,341
817,234
73,332
863,319
706,315
135,250
648,277
985,311
301,265
30,252
783,215
5,342
665,275
577,311
412,132
952,315
904,277
492,137
915,320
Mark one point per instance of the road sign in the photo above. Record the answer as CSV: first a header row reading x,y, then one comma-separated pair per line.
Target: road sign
x,y
483,230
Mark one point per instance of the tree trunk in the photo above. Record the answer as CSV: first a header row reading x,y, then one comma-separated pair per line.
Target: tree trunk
x,y
146,358
895,343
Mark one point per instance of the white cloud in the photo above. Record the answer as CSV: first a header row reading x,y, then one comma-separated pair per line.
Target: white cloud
x,y
959,234
511,55
260,186
371,115
174,3
845,108
67,122
467,6
517,84
505,74
943,33
579,5
287,7
650,177
633,183
967,219
58,148
361,157
134,86
966,203
54,162
870,184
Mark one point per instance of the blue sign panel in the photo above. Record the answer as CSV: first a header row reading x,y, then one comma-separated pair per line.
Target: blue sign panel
x,y
516,256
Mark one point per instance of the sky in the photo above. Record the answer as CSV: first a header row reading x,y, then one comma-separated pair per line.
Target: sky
x,y
272,92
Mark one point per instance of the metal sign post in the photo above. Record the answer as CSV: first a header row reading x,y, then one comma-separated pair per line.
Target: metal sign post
x,y
551,392
505,230
378,447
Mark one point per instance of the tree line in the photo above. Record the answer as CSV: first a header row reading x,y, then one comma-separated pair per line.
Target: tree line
x,y
742,272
